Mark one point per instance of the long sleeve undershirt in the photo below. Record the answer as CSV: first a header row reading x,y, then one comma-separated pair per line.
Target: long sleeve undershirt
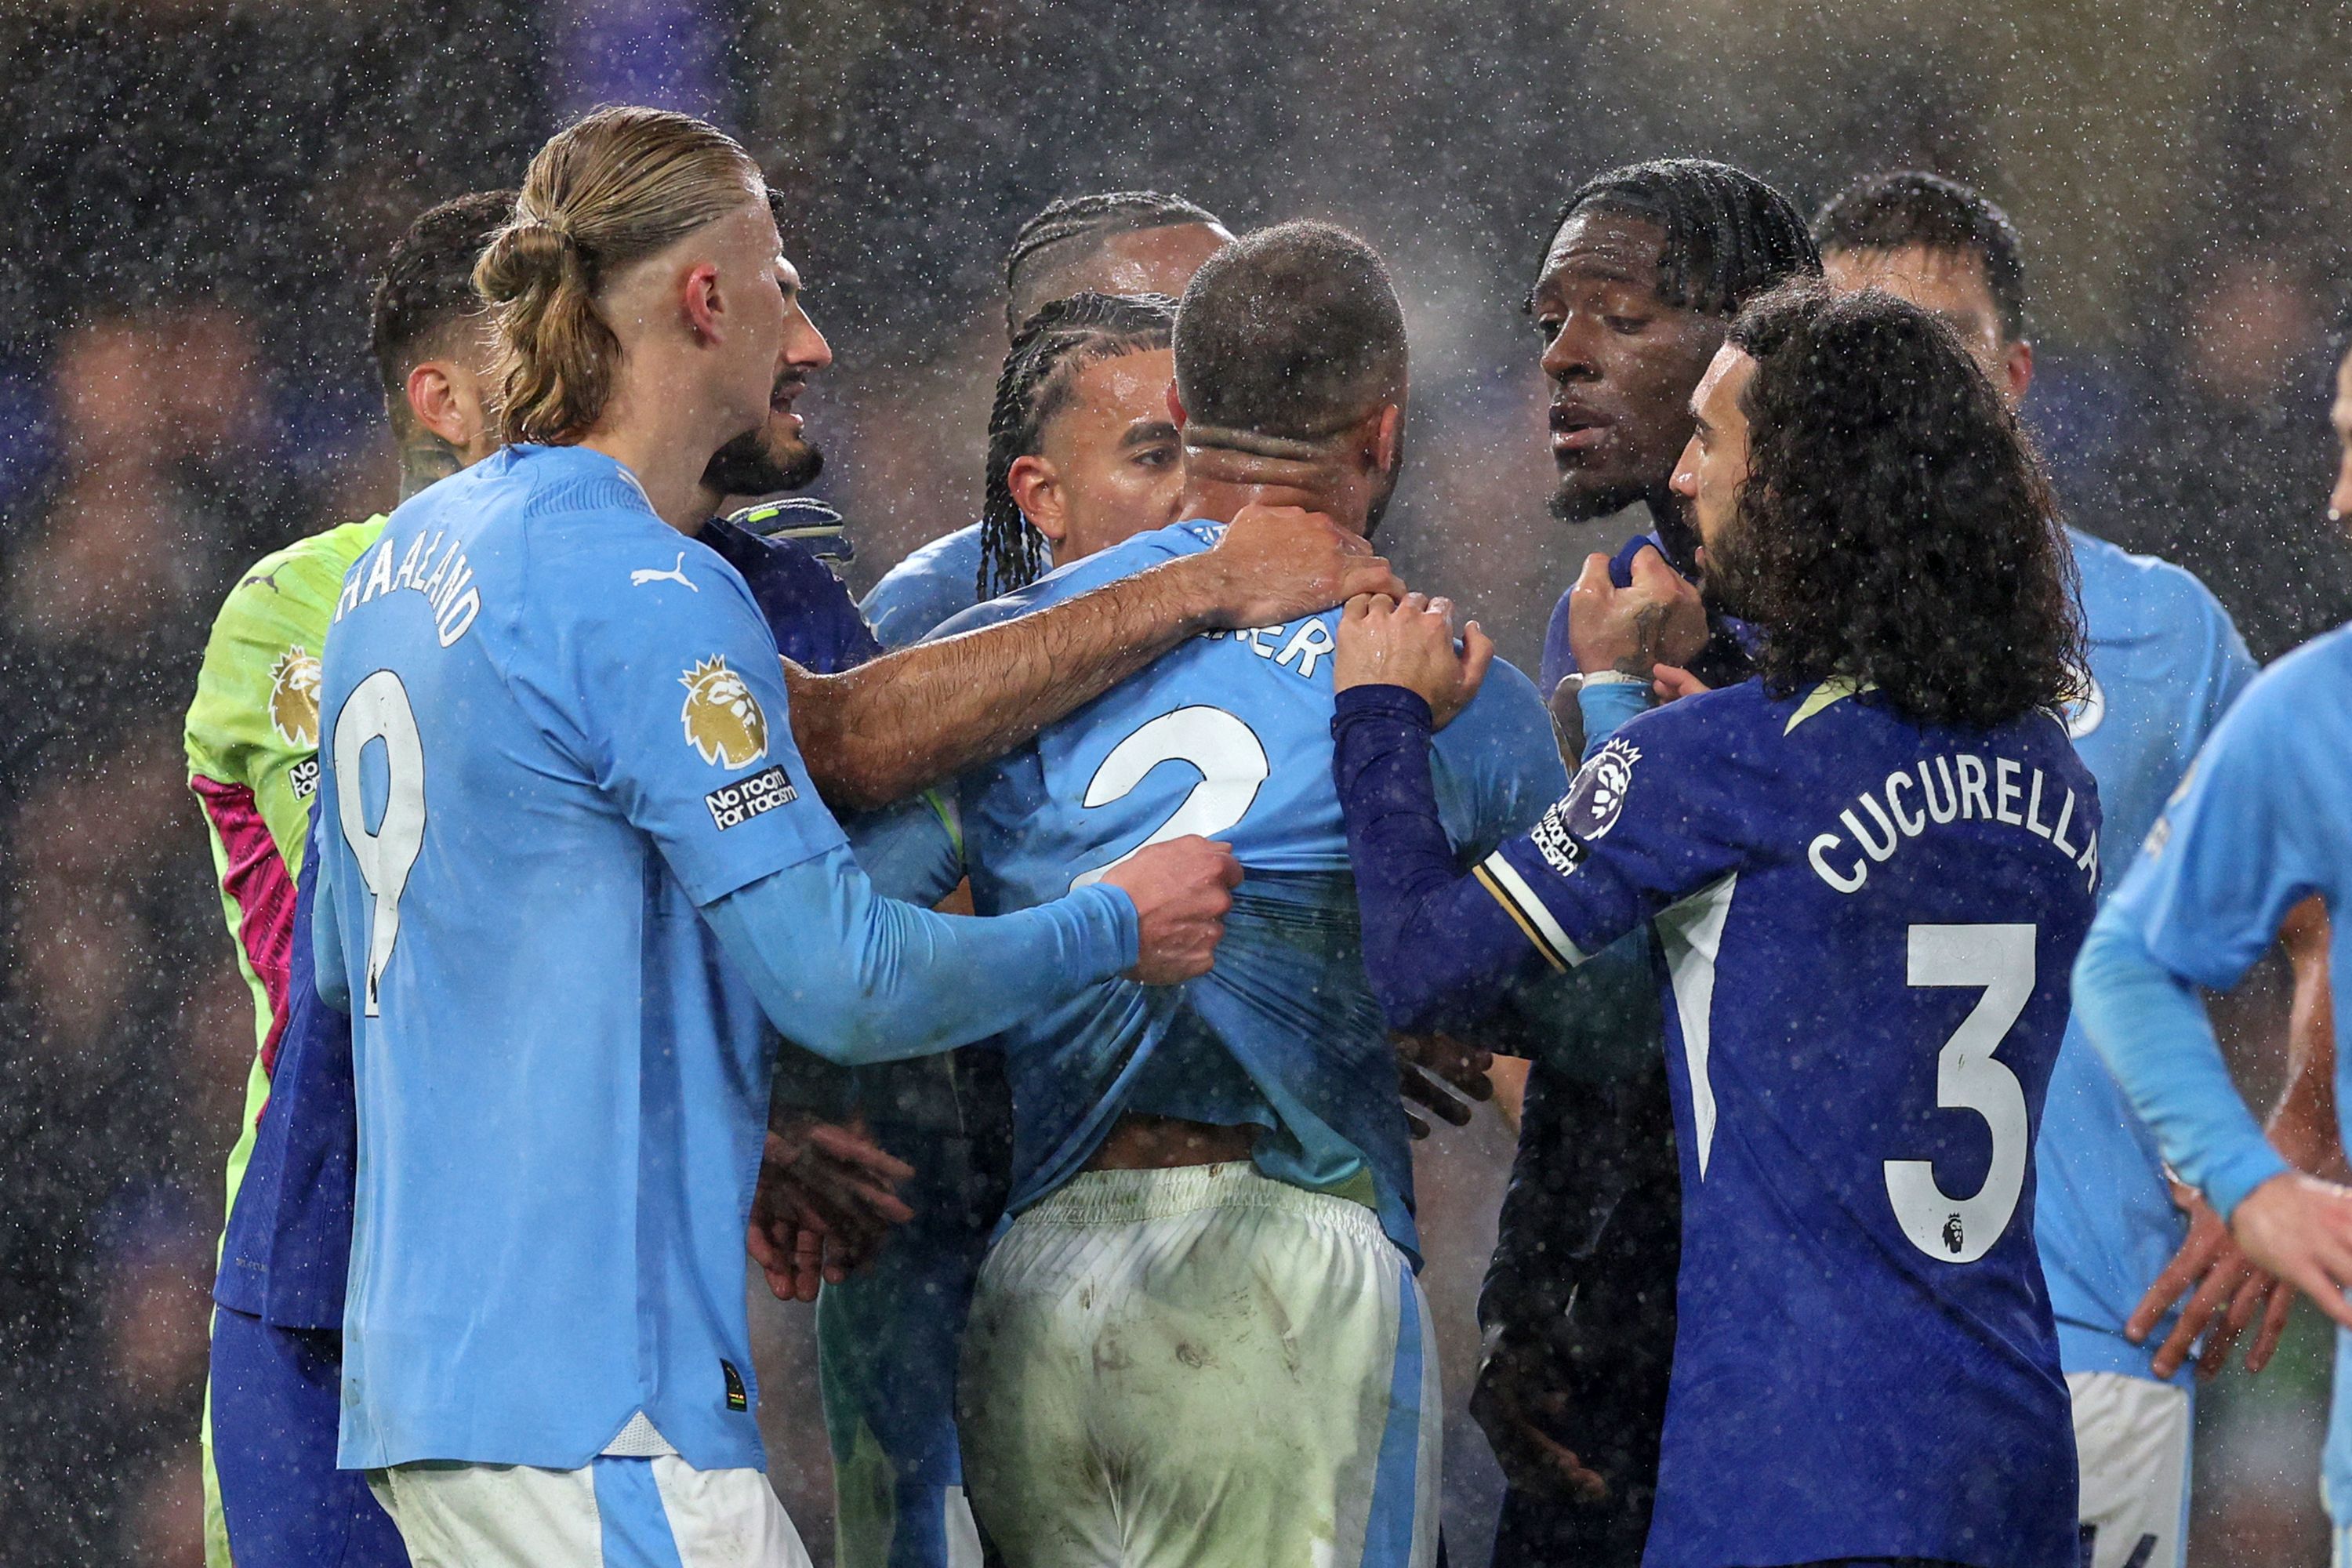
x,y
857,978
2149,1027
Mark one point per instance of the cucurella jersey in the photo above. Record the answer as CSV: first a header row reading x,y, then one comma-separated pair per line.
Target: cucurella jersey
x,y
2164,662
1864,932
929,586
2259,825
1228,736
252,740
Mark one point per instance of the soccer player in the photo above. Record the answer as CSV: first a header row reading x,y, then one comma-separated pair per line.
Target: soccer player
x,y
1644,271
2259,826
560,896
2165,661
1211,1188
1081,456
273,1494
1109,242
1869,869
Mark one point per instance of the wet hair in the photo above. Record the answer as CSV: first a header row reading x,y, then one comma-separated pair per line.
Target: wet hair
x,y
1286,338
607,191
1895,528
427,287
1035,384
1729,236
1076,226
1893,212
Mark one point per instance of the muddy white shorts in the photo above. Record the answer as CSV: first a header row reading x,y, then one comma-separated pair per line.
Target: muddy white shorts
x,y
2131,1444
1200,1366
612,1512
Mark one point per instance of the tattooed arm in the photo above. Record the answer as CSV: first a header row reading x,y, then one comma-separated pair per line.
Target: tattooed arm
x,y
1633,630
899,724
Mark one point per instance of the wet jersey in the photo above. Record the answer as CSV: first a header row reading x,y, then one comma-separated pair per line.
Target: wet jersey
x,y
289,1239
2259,826
1864,929
932,583
2165,663
1229,737
555,729
252,740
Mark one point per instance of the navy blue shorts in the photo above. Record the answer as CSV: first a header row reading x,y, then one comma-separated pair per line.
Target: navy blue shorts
x,y
277,1401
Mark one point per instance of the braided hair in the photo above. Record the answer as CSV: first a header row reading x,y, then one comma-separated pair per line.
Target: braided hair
x,y
1729,236
1058,341
1092,219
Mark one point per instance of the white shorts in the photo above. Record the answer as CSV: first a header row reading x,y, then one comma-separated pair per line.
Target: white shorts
x,y
2131,1442
610,1513
1200,1366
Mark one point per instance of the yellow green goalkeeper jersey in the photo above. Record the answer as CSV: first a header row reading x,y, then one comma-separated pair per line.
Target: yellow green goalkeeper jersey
x,y
253,761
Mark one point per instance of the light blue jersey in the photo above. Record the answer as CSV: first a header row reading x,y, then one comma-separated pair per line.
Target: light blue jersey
x,y
934,582
559,778
2261,824
1229,737
2165,663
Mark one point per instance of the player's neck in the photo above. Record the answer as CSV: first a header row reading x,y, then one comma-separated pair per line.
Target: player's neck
x,y
1219,490
666,441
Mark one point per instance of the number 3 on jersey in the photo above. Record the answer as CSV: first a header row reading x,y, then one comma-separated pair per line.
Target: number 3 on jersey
x,y
378,710
1999,960
1230,758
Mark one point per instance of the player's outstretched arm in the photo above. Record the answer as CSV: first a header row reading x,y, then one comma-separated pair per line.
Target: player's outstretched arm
x,y
904,722
858,978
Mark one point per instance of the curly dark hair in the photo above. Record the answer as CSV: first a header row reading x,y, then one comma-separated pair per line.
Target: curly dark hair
x,y
1896,528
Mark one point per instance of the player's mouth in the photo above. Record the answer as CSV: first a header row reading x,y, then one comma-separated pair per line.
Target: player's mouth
x,y
1576,430
780,403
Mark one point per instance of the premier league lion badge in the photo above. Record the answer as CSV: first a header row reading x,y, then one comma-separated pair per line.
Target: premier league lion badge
x,y
294,696
1597,795
722,719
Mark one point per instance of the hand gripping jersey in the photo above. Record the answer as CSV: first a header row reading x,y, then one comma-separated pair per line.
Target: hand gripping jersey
x,y
1229,737
2165,664
253,747
1865,929
931,585
2260,824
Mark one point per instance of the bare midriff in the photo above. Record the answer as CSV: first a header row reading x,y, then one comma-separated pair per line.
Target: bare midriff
x,y
1141,1142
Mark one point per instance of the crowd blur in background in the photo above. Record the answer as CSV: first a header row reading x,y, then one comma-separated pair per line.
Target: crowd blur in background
x,y
193,196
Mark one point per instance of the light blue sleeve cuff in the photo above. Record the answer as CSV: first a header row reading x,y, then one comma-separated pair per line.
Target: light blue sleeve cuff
x,y
1108,936
2236,1176
1608,707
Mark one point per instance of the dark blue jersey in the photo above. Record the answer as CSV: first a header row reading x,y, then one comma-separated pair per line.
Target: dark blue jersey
x,y
1865,930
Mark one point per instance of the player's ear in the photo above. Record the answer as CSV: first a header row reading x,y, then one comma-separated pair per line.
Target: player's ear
x,y
1036,490
1176,409
704,307
435,399
2017,371
1389,440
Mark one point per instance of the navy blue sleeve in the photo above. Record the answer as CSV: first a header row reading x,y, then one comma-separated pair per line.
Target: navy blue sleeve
x,y
1440,951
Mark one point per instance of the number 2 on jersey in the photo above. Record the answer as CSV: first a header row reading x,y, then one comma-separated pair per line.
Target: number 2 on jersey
x,y
378,710
1228,753
1999,960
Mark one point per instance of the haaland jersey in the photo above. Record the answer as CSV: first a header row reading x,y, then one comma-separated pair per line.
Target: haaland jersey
x,y
1865,929
2165,663
252,741
1229,737
932,583
2260,825
553,728
288,1243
